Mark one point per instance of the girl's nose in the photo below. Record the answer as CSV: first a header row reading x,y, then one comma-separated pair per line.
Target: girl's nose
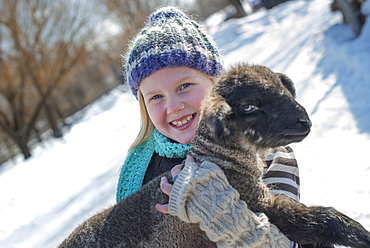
x,y
174,106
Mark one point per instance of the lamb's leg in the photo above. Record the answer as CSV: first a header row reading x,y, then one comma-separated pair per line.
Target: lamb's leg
x,y
315,225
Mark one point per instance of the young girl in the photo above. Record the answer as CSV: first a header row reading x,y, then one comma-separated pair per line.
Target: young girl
x,y
170,65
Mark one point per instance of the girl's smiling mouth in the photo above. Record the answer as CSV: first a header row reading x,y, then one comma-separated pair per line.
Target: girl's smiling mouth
x,y
182,122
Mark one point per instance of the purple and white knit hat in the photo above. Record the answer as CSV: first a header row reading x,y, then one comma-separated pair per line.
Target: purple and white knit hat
x,y
170,38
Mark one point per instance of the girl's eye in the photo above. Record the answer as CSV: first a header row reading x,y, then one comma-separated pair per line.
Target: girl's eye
x,y
156,97
250,109
184,86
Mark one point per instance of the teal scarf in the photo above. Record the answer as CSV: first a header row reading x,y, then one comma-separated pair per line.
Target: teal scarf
x,y
137,161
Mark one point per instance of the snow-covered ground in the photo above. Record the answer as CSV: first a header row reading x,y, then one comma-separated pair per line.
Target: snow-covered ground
x,y
44,198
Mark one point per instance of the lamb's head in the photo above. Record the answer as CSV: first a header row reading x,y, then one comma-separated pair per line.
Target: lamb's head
x,y
253,104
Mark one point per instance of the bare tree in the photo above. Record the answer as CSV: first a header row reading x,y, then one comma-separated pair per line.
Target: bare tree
x,y
239,10
40,42
269,4
350,10
131,15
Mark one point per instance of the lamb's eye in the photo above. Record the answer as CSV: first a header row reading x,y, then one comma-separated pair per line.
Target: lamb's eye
x,y
249,109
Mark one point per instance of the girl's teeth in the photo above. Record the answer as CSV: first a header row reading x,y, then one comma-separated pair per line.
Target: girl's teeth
x,y
183,122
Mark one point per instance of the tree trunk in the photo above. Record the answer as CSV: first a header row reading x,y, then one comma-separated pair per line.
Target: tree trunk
x,y
52,120
349,15
23,146
25,151
269,4
240,12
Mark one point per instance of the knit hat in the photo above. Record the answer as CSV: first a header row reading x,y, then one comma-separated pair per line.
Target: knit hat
x,y
170,38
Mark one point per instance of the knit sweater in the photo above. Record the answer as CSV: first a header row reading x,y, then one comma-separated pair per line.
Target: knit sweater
x,y
202,194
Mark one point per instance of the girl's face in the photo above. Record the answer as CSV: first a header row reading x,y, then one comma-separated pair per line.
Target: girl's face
x,y
173,97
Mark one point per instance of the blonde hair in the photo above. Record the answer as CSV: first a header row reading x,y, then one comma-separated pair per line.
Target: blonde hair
x,y
146,125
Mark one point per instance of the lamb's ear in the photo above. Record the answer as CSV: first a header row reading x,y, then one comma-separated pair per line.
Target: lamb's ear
x,y
288,83
216,114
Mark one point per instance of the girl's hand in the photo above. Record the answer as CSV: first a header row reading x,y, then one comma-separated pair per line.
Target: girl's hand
x,y
166,187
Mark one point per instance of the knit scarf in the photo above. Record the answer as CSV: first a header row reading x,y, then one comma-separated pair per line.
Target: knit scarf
x,y
137,161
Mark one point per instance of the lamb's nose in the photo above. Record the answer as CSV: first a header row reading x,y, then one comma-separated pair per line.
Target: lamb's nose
x,y
305,121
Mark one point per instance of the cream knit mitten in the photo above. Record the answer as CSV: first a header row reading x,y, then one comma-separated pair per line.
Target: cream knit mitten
x,y
202,194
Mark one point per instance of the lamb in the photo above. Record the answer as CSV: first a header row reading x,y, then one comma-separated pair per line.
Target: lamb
x,y
248,110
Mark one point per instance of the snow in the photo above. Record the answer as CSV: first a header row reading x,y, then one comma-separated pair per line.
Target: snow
x,y
67,180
